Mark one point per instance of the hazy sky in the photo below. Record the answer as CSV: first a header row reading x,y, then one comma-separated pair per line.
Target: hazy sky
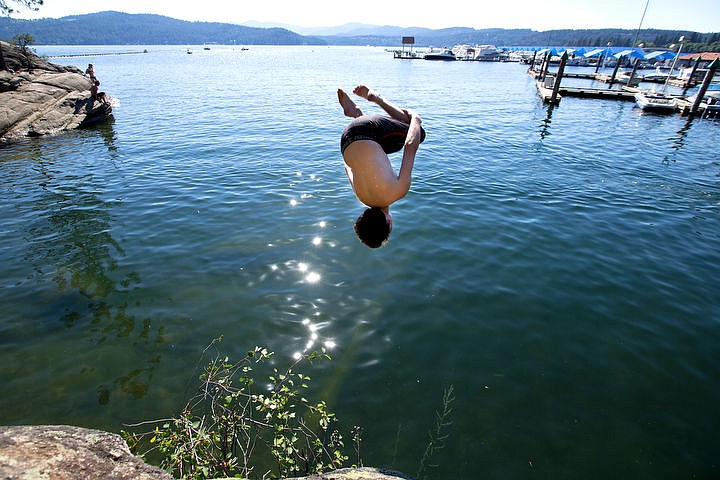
x,y
696,15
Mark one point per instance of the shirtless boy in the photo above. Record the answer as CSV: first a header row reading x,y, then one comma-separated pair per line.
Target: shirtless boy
x,y
365,145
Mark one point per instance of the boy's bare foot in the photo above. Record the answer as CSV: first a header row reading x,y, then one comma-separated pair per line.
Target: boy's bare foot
x,y
366,93
349,108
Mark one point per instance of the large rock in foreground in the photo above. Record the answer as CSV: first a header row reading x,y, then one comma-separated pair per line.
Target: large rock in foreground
x,y
60,452
39,98
365,473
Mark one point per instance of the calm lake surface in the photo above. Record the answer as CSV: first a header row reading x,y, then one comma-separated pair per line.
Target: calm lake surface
x,y
558,267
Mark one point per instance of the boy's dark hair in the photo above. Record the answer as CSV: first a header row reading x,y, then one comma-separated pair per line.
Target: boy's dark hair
x,y
372,227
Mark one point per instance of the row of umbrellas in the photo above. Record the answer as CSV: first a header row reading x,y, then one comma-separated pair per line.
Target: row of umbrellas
x,y
608,51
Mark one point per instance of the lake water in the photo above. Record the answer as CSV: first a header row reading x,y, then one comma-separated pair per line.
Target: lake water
x,y
558,267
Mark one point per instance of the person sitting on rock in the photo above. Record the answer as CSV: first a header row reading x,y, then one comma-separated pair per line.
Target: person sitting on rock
x,y
99,96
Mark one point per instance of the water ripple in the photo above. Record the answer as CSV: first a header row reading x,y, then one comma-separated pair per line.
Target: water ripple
x,y
558,266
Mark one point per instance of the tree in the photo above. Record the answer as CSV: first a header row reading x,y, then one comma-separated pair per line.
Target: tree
x,y
22,41
6,5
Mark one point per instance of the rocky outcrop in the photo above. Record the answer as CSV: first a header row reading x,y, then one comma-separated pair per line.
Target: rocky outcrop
x,y
40,98
68,453
59,452
365,473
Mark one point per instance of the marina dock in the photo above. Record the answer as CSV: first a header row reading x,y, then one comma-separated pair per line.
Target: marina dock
x,y
624,94
623,85
551,91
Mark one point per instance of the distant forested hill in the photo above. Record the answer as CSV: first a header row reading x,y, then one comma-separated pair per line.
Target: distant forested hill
x,y
113,28
526,37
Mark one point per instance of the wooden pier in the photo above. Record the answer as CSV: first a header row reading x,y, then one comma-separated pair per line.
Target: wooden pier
x,y
598,93
546,93
704,110
550,90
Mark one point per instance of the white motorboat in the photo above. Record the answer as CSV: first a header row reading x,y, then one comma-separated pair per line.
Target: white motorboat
x,y
657,76
656,102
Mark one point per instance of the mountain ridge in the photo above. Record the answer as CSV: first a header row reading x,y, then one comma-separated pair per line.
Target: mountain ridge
x,y
117,28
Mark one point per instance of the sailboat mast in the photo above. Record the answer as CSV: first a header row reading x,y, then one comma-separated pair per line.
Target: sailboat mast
x,y
637,32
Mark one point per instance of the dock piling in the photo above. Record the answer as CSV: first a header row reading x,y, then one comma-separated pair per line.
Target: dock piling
x,y
690,82
546,64
615,70
703,88
558,78
634,71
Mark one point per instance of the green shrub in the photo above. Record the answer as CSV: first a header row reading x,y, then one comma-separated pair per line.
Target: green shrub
x,y
231,427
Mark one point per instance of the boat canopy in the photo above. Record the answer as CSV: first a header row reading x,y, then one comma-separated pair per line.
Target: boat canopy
x,y
543,51
660,55
633,53
596,52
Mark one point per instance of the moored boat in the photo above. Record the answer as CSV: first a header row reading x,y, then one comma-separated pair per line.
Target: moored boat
x,y
656,102
443,54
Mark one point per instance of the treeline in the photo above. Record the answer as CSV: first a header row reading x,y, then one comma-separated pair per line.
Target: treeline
x,y
694,41
113,28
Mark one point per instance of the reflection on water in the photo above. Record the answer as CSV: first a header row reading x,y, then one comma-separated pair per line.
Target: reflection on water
x,y
545,124
680,139
68,240
107,132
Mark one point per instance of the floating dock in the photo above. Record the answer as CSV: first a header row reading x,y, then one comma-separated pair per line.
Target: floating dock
x,y
551,91
624,94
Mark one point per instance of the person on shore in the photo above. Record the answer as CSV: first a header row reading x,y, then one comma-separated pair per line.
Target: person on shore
x,y
365,144
90,72
95,95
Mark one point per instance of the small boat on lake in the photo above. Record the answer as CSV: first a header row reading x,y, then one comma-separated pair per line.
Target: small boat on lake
x,y
656,102
442,54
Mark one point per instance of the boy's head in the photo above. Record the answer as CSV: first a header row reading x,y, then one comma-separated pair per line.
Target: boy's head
x,y
373,227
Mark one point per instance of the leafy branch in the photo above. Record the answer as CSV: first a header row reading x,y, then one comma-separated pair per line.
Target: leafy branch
x,y
229,427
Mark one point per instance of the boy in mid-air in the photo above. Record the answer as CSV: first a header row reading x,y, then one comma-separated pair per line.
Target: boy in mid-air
x,y
365,145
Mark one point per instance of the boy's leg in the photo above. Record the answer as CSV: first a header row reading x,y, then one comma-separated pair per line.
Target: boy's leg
x,y
349,108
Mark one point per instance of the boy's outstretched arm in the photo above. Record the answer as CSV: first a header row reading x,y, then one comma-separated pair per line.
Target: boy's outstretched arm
x,y
394,111
412,142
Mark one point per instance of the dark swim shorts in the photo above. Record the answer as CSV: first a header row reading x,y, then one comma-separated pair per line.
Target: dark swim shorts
x,y
387,132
